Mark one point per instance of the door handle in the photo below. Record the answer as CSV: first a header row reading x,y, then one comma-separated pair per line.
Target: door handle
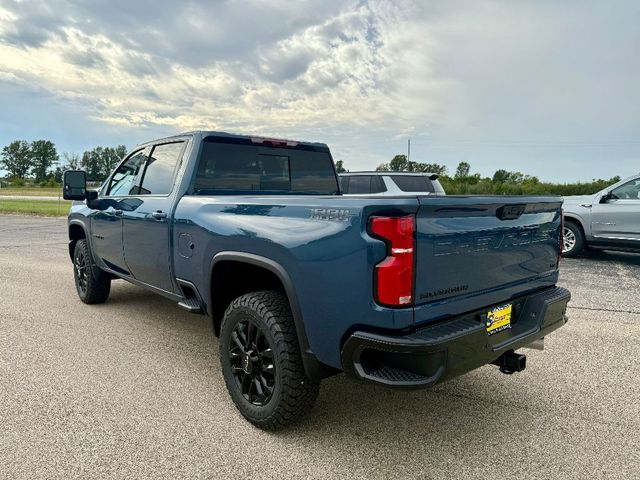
x,y
159,215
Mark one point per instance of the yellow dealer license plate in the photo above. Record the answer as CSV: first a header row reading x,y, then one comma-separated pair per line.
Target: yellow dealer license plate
x,y
499,319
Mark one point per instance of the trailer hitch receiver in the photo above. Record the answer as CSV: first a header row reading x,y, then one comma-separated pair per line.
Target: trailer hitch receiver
x,y
511,362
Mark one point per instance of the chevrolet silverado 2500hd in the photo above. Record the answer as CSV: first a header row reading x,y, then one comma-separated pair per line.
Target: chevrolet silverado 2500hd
x,y
301,282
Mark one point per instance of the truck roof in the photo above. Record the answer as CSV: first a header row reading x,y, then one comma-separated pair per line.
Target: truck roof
x,y
253,138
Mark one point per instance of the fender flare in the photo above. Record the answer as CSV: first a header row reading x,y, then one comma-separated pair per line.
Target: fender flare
x,y
79,223
314,368
279,271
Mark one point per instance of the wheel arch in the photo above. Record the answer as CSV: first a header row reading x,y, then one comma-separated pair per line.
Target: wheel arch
x,y
240,259
264,273
568,217
77,231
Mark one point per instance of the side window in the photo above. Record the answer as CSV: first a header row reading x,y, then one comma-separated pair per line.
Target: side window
x,y
158,173
413,183
123,181
377,184
360,184
628,191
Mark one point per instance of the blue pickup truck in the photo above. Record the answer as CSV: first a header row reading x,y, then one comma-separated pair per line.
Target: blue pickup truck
x,y
301,282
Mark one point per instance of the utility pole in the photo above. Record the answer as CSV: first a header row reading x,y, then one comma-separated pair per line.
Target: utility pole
x,y
408,149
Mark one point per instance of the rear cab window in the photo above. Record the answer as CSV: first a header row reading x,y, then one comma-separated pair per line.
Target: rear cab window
x,y
242,166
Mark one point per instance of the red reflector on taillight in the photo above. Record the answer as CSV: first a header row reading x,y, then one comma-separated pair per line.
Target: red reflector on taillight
x,y
394,275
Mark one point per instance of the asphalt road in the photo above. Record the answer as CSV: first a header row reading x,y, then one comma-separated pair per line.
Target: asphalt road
x,y
133,389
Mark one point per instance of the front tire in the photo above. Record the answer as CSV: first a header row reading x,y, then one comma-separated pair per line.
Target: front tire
x,y
261,361
92,284
573,240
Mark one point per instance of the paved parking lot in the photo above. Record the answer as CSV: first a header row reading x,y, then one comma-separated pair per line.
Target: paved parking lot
x,y
133,389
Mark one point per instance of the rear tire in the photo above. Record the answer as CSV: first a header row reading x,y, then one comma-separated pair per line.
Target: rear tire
x,y
573,239
92,284
261,361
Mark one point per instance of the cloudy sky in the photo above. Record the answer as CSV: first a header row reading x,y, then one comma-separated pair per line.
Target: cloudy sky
x,y
549,88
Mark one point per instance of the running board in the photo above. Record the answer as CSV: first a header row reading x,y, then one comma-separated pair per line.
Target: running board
x,y
191,301
191,305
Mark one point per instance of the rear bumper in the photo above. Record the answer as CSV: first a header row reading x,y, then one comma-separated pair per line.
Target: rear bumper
x,y
450,348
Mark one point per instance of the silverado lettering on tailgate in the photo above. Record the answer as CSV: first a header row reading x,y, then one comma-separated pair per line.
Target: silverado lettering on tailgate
x,y
445,291
459,244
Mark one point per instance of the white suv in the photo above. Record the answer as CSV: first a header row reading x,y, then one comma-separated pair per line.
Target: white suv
x,y
390,183
609,219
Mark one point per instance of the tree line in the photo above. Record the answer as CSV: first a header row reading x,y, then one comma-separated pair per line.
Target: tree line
x,y
503,182
39,161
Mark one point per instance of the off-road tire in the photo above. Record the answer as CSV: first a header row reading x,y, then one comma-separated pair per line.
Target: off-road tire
x,y
92,284
293,394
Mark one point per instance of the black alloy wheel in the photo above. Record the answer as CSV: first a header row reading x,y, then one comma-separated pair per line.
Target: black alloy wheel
x,y
262,363
81,271
252,364
92,284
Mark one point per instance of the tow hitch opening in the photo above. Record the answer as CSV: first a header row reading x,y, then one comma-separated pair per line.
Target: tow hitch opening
x,y
511,362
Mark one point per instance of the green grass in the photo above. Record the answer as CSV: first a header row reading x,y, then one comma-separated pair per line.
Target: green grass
x,y
31,191
45,208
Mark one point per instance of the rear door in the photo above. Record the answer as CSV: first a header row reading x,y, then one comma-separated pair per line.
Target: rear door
x,y
147,218
469,246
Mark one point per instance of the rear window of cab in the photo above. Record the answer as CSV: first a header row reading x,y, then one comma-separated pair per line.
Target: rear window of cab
x,y
243,167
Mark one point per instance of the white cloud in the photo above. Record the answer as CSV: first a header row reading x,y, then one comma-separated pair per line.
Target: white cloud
x,y
334,72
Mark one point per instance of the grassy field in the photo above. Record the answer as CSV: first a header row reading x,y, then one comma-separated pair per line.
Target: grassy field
x,y
31,191
45,208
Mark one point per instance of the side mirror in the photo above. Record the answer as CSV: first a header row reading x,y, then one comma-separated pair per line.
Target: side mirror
x,y
92,200
606,197
74,185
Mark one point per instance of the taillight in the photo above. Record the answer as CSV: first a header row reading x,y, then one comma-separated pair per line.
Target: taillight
x,y
394,275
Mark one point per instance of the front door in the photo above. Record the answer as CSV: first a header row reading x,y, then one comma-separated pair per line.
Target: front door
x,y
147,219
106,223
106,237
618,218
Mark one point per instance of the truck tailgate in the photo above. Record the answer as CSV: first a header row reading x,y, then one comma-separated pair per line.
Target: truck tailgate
x,y
467,246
